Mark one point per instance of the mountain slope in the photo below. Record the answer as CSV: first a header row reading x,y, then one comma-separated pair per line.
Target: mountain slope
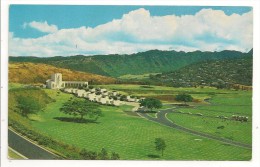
x,y
153,61
217,73
28,73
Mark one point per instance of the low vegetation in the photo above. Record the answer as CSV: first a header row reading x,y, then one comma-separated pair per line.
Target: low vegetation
x,y
102,155
30,73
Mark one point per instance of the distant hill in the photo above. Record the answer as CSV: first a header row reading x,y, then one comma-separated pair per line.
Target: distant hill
x,y
28,73
217,73
153,61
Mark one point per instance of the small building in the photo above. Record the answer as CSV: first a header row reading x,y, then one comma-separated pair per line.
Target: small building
x,y
115,102
80,92
105,100
68,90
92,97
74,91
103,90
105,93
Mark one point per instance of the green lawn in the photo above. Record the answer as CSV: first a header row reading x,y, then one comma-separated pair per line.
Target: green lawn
x,y
236,104
130,136
166,94
136,77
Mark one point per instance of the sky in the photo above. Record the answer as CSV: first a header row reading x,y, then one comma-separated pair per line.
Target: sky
x,y
45,31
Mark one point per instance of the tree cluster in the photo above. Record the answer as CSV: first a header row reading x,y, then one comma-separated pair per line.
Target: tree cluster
x,y
151,103
102,155
184,97
27,105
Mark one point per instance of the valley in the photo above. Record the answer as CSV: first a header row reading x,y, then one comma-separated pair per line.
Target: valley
x,y
128,133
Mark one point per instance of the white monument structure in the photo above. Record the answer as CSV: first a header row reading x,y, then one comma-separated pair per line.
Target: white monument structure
x,y
56,82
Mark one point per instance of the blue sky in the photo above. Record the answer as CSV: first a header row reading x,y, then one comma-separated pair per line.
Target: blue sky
x,y
77,16
35,22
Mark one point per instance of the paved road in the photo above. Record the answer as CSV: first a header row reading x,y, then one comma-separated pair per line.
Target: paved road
x,y
26,148
162,119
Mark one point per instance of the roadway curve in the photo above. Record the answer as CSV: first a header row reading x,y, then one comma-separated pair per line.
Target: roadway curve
x,y
27,148
162,119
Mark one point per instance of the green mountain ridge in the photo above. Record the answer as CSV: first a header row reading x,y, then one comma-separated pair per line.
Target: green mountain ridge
x,y
153,61
216,73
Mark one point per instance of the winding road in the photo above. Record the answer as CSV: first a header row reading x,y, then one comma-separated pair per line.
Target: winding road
x,y
27,148
163,120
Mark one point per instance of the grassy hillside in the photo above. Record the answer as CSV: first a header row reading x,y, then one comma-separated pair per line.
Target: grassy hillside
x,y
28,73
217,73
36,95
153,61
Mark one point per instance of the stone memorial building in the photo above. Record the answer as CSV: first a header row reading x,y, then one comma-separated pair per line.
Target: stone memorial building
x,y
56,82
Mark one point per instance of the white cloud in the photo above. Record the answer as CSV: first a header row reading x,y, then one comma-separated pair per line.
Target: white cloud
x,y
207,30
41,26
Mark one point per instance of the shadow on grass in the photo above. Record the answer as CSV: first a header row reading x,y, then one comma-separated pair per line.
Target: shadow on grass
x,y
75,120
153,156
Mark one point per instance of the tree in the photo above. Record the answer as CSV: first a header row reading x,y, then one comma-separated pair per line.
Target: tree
x,y
91,87
123,98
160,145
88,155
114,156
103,155
184,97
151,103
82,108
27,105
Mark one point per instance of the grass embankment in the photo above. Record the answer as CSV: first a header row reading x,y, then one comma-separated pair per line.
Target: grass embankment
x,y
14,155
23,124
238,103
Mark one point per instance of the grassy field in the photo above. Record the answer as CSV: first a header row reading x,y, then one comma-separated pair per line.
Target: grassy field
x,y
165,94
132,136
236,104
136,77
